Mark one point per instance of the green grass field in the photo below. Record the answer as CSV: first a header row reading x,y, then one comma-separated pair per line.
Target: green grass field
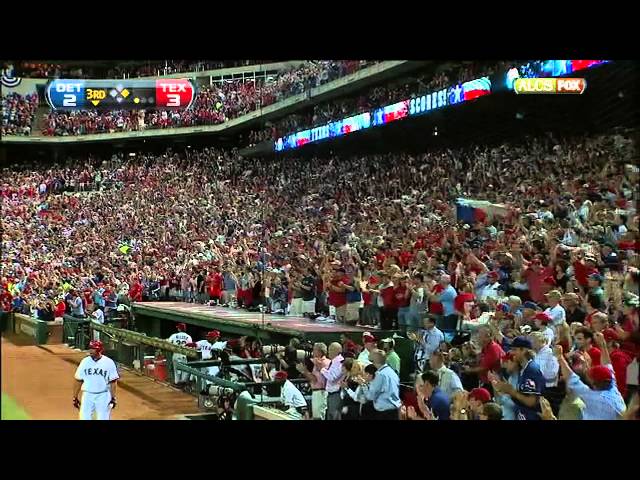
x,y
11,410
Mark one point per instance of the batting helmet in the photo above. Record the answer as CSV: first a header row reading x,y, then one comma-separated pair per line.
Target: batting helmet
x,y
96,345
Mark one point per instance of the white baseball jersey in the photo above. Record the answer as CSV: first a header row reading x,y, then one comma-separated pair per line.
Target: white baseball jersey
x,y
96,375
180,338
204,347
290,396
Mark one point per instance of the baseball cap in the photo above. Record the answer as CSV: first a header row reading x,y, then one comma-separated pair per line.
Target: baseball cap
x,y
530,305
281,375
554,294
181,326
480,394
597,277
368,338
543,317
600,373
521,342
213,334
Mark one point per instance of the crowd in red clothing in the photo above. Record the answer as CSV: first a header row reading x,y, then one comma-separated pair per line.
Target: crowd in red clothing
x,y
567,248
18,113
214,104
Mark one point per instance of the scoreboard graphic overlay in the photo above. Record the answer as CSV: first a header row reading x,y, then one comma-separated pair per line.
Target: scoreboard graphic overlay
x,y
165,94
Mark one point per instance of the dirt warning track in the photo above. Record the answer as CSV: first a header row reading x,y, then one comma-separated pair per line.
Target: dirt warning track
x,y
40,380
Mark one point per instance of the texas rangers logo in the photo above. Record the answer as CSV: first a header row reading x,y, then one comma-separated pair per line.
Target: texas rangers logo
x,y
8,80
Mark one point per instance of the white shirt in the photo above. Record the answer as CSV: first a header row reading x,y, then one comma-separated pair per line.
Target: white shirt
x,y
99,316
96,375
180,338
363,358
549,335
290,396
548,365
558,314
489,291
449,382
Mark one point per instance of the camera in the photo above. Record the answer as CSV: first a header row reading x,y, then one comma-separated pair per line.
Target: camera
x,y
218,391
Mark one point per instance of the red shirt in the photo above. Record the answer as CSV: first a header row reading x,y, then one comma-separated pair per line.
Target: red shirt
x,y
582,273
337,299
388,297
594,353
535,281
620,361
490,358
380,258
436,307
405,258
398,295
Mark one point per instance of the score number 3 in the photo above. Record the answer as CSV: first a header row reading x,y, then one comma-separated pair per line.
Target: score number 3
x,y
173,100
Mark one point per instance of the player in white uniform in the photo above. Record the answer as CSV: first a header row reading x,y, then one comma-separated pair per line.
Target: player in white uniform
x,y
97,376
207,347
180,338
292,398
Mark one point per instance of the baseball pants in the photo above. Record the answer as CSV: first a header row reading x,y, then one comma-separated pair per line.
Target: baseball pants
x,y
97,403
178,375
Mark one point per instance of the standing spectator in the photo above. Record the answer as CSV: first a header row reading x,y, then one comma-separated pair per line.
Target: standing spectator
x,y
308,286
602,401
428,340
573,311
531,382
447,299
490,357
369,345
387,303
384,390
393,359
317,381
333,376
448,380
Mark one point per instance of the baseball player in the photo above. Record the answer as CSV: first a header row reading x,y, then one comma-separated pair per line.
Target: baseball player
x,y
97,376
206,348
180,338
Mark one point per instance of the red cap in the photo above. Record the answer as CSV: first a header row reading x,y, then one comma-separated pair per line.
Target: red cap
x,y
368,338
96,345
600,373
543,317
281,375
213,334
480,394
181,326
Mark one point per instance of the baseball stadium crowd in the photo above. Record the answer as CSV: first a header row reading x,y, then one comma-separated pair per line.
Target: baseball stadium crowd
x,y
214,104
18,113
375,97
529,314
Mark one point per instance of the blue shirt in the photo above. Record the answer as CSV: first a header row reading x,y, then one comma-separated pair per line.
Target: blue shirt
x,y
384,391
229,283
447,297
599,404
506,402
439,403
530,382
17,303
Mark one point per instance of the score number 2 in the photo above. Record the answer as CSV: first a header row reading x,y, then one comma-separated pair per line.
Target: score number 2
x,y
69,90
